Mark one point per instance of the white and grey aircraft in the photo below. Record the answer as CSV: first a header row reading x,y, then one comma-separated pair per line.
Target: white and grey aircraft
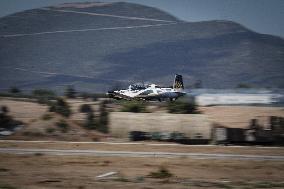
x,y
151,92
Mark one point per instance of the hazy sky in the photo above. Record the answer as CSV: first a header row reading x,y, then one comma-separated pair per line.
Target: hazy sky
x,y
264,16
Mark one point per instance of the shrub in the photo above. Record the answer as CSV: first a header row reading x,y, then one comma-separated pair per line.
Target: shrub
x,y
103,119
14,90
61,107
85,108
4,109
7,122
243,86
90,122
46,117
44,93
44,96
63,126
70,92
50,130
180,107
161,173
133,106
34,134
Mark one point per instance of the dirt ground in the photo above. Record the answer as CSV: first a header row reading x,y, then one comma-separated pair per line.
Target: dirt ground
x,y
42,171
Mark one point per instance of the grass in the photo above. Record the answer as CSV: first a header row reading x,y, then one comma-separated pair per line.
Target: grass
x,y
63,126
5,186
3,170
38,154
46,117
134,106
33,134
268,185
161,173
50,130
121,179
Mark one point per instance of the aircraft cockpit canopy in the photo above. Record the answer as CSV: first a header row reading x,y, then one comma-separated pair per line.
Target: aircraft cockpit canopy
x,y
135,87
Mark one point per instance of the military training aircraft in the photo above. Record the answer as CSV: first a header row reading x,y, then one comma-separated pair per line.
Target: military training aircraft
x,y
150,92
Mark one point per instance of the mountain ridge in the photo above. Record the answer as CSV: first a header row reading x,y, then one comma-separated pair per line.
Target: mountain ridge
x,y
113,50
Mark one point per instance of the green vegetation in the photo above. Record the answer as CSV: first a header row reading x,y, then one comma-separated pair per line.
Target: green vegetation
x,y
161,173
14,90
60,107
46,117
181,107
63,126
90,122
134,106
4,109
4,170
43,96
243,86
121,179
4,186
44,93
15,95
266,184
6,121
85,108
33,134
70,92
103,118
50,130
92,96
101,122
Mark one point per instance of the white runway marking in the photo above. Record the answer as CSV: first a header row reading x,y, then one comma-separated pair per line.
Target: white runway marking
x,y
108,15
85,30
138,154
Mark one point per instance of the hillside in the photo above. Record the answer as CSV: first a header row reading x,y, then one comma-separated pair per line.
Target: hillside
x,y
95,46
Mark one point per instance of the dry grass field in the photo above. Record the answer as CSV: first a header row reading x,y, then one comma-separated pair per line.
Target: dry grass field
x,y
32,114
240,116
40,170
77,172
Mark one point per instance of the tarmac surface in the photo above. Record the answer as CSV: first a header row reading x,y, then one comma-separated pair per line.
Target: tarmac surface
x,y
60,152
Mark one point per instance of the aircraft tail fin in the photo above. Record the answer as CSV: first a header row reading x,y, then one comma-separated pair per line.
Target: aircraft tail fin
x,y
178,82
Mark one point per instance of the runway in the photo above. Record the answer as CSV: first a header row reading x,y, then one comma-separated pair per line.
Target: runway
x,y
60,152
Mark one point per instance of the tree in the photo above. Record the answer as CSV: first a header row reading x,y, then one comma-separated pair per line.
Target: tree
x,y
63,126
44,93
61,107
103,119
90,122
85,108
243,86
4,109
14,90
43,96
70,92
